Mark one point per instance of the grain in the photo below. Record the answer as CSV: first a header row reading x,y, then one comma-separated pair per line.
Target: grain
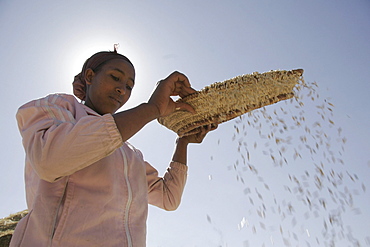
x,y
223,101
300,140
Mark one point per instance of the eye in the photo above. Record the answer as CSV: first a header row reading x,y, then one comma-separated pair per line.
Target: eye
x,y
129,87
115,77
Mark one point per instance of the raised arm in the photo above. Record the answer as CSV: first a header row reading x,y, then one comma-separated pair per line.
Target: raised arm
x,y
166,192
180,153
160,104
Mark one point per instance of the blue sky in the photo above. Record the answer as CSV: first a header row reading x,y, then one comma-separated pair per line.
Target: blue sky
x,y
44,44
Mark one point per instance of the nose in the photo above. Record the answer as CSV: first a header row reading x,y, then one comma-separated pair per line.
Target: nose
x,y
121,90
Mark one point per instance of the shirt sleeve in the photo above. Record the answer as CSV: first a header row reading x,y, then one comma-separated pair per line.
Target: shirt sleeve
x,y
57,144
166,192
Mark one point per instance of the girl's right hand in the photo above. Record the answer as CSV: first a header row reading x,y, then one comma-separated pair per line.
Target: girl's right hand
x,y
176,84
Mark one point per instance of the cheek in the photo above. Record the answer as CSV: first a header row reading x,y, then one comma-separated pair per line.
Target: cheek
x,y
101,85
103,89
128,94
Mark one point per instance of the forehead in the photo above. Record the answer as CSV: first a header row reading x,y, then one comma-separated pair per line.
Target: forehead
x,y
120,65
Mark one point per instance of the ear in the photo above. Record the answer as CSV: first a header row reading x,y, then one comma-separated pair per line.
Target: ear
x,y
89,75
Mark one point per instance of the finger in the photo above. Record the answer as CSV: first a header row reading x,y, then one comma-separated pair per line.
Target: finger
x,y
180,106
204,130
208,128
185,91
182,89
181,85
214,126
179,77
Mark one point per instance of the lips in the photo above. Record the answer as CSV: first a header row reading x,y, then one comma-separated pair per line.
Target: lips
x,y
116,99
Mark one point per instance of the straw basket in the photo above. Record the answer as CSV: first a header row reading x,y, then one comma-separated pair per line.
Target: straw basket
x,y
223,101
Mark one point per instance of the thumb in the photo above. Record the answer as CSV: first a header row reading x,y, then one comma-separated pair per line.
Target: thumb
x,y
180,106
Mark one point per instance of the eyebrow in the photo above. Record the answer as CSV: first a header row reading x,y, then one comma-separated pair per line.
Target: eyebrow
x,y
121,71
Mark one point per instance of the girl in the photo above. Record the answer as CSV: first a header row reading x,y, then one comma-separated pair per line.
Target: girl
x,y
85,184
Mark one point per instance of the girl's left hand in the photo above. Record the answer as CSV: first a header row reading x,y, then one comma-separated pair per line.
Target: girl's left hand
x,y
198,138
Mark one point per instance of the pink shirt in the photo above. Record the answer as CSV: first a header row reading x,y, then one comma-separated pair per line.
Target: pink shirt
x,y
84,185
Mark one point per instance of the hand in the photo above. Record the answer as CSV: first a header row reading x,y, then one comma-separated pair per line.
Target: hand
x,y
180,154
198,138
176,84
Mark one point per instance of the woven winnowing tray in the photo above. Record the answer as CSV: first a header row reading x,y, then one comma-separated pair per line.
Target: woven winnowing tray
x,y
223,101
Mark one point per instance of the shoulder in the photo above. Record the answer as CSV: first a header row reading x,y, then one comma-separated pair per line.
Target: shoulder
x,y
52,100
53,106
57,99
133,149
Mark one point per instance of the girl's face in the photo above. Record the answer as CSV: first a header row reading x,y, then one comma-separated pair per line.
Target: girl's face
x,y
110,88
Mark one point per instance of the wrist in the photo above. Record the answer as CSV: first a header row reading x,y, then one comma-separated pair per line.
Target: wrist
x,y
153,109
180,154
182,141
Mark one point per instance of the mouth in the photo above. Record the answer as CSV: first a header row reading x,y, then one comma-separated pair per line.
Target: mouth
x,y
117,100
